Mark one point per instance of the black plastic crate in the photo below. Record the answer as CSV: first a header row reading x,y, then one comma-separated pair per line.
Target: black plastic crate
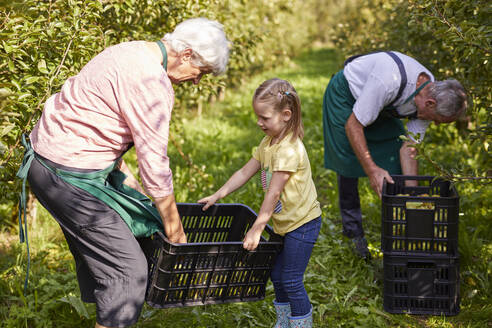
x,y
420,220
212,267
421,285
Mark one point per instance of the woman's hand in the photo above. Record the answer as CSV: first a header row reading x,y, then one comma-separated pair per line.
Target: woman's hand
x,y
209,201
252,238
178,239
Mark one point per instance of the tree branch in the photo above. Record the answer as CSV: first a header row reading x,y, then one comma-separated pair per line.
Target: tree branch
x,y
448,176
455,29
187,159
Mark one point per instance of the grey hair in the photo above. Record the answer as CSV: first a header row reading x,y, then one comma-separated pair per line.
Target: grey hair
x,y
450,97
207,40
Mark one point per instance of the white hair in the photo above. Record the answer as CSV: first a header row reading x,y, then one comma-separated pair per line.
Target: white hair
x,y
450,97
207,40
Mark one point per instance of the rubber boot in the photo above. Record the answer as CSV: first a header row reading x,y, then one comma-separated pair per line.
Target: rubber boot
x,y
303,321
283,311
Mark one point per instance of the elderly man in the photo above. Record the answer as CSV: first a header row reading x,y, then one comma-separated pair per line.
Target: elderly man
x,y
362,110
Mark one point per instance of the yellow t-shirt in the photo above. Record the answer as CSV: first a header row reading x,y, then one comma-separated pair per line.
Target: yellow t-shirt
x,y
297,204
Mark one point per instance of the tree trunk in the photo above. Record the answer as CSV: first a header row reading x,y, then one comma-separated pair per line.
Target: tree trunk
x,y
200,108
221,94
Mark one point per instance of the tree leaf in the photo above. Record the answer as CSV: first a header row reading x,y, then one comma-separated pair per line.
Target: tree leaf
x,y
42,66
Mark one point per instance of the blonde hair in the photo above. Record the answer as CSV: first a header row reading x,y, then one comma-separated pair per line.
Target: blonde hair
x,y
280,94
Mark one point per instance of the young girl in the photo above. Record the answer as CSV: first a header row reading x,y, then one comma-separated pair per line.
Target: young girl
x,y
290,198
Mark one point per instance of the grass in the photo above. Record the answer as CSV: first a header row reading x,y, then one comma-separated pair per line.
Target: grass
x,y
345,291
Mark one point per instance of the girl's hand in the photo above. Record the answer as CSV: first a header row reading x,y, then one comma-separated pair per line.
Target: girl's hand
x,y
208,201
252,238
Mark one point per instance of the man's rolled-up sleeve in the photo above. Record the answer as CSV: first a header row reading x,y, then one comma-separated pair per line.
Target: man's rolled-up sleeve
x,y
372,99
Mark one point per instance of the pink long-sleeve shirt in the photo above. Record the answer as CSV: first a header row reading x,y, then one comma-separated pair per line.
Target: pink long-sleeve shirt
x,y
122,95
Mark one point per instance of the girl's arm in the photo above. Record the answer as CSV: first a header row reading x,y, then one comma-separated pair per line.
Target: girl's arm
x,y
277,184
238,179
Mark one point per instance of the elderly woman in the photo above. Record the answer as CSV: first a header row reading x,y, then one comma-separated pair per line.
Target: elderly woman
x,y
122,98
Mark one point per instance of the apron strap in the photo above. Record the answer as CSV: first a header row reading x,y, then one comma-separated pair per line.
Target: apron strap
x,y
164,54
398,62
416,91
393,112
22,173
403,75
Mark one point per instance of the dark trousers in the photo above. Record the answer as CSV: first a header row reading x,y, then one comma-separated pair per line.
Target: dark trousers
x,y
349,201
111,267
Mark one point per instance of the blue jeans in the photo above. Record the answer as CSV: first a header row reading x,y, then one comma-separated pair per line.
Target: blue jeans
x,y
288,271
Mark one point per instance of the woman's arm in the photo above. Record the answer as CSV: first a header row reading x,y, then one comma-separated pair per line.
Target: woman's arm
x,y
277,184
238,179
170,218
130,180
355,134
166,206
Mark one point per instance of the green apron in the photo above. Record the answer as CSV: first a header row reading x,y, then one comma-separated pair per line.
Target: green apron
x,y
382,136
135,208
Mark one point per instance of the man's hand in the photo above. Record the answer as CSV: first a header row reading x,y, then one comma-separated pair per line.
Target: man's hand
x,y
376,178
355,135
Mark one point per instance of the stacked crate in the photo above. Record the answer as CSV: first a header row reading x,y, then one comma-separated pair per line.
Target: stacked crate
x,y
419,240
